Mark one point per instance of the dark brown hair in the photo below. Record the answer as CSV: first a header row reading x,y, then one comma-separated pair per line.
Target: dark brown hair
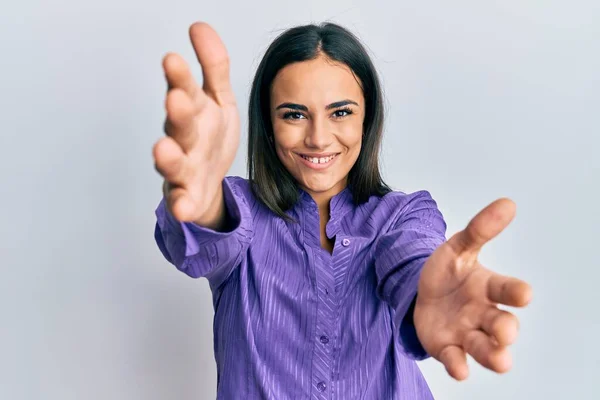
x,y
271,182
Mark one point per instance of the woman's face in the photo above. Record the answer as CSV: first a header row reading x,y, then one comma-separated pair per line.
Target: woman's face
x,y
317,111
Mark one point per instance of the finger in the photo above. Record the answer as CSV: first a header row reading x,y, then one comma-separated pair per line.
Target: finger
x,y
170,161
214,60
180,203
501,325
454,359
508,290
178,74
483,349
488,223
179,123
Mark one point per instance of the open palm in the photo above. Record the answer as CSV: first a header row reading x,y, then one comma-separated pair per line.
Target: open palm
x,y
456,311
202,127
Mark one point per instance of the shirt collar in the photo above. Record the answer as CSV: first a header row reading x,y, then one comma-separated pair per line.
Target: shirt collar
x,y
338,205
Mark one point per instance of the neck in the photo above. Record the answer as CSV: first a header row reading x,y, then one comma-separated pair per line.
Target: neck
x,y
324,198
323,201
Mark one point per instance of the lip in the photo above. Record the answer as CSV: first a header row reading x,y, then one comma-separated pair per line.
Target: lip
x,y
317,166
318,155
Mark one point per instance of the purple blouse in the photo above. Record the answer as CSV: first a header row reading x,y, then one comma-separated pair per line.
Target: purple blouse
x,y
295,322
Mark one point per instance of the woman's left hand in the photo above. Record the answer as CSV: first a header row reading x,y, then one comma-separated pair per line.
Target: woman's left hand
x,y
456,311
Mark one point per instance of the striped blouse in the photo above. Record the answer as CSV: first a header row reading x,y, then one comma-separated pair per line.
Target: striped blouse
x,y
293,321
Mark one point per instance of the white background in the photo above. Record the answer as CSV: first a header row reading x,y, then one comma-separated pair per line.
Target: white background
x,y
484,100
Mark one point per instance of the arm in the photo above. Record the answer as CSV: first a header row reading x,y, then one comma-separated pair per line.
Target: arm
x,y
400,255
199,251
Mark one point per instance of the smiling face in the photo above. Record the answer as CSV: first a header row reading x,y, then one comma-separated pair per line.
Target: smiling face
x,y
317,111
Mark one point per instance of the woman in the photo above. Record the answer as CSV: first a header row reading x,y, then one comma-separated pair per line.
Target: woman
x,y
326,284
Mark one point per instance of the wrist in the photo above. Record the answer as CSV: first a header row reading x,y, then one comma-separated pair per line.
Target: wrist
x,y
215,215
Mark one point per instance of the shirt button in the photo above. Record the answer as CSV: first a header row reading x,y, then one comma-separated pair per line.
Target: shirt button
x,y
321,386
324,339
346,242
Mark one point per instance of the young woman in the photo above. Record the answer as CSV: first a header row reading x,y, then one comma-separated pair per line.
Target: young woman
x,y
326,283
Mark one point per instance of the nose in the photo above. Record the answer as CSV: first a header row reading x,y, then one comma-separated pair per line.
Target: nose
x,y
318,135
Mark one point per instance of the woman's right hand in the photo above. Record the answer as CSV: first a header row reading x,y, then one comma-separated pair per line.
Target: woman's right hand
x,y
202,129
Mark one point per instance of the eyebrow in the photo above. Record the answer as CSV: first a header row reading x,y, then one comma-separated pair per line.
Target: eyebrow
x,y
302,107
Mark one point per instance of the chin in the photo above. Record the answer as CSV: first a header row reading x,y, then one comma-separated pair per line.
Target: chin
x,y
317,188
320,187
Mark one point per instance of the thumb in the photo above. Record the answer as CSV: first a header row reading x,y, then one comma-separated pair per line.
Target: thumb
x,y
486,225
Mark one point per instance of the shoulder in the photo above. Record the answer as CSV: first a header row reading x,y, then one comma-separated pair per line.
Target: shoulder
x,y
397,208
241,189
396,203
239,184
400,202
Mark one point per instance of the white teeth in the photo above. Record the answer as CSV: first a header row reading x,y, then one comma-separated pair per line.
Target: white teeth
x,y
321,160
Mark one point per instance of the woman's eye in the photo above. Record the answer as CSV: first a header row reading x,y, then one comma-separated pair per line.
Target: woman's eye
x,y
341,113
292,115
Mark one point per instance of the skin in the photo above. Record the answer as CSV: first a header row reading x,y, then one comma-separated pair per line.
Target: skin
x,y
456,311
317,107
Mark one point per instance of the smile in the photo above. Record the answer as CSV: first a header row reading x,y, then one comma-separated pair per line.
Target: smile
x,y
317,162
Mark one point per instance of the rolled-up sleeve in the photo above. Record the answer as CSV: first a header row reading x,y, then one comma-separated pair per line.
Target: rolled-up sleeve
x,y
400,254
202,252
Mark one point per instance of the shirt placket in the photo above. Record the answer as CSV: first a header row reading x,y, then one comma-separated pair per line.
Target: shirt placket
x,y
324,334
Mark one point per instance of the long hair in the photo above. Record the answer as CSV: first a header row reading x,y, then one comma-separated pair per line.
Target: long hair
x,y
271,182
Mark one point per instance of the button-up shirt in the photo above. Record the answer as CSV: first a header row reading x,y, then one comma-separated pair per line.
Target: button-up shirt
x,y
293,321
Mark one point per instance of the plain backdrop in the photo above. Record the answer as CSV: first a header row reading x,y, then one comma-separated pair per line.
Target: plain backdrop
x,y
484,100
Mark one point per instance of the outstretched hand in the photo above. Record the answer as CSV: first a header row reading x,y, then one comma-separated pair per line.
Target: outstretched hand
x,y
456,311
202,128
